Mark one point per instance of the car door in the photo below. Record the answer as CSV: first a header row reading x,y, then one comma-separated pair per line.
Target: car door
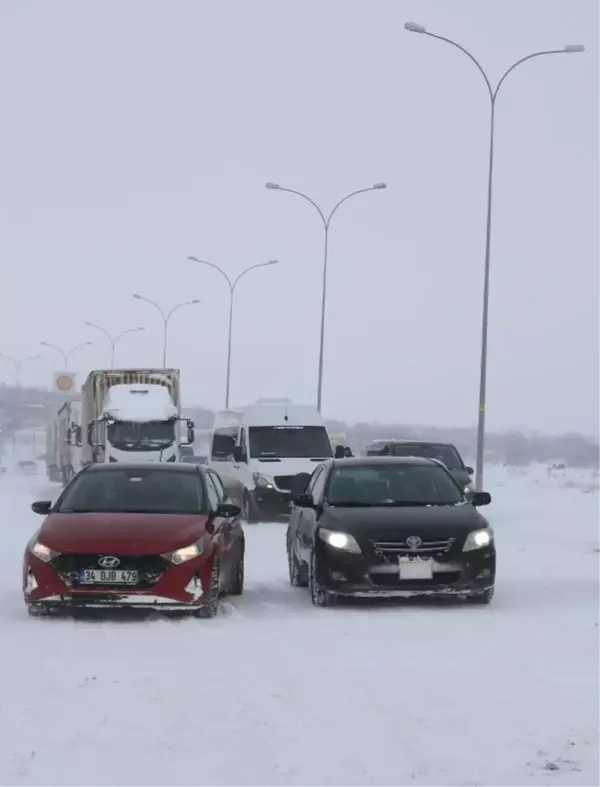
x,y
234,535
222,534
307,517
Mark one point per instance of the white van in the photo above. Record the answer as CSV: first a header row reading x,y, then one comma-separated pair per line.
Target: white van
x,y
258,452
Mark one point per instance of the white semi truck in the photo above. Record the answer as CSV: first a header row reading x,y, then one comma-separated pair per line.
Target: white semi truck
x,y
67,434
133,415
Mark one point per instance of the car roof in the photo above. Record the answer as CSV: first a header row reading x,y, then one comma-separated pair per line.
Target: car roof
x,y
367,461
177,467
408,441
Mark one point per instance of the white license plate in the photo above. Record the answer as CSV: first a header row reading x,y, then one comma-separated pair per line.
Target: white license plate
x,y
415,569
107,576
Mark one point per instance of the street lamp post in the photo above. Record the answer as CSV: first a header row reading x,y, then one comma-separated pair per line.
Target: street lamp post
x,y
326,224
66,355
166,317
18,364
414,27
113,339
232,284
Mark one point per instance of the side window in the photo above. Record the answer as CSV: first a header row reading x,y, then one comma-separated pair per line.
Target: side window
x,y
213,496
217,483
311,484
223,444
319,486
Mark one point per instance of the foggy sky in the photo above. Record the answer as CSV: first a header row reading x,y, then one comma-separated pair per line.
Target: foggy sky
x,y
137,132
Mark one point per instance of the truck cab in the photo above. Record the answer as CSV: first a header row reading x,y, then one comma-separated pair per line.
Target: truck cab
x,y
261,451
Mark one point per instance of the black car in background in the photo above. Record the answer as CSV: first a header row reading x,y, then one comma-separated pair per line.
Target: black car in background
x,y
389,526
443,452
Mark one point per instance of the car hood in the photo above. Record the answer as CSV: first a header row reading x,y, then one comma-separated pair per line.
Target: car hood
x,y
427,522
123,534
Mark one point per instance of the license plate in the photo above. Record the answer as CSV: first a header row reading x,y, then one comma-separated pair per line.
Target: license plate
x,y
105,576
415,569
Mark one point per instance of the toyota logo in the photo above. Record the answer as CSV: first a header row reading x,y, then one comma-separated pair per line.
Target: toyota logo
x,y
414,542
108,562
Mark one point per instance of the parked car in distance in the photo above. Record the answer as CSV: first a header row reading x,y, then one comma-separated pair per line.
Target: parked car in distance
x,y
389,526
27,467
148,535
443,452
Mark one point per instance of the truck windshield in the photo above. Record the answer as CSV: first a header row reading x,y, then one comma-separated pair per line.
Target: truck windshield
x,y
289,442
149,436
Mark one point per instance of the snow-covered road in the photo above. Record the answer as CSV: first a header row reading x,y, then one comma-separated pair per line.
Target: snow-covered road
x,y
274,691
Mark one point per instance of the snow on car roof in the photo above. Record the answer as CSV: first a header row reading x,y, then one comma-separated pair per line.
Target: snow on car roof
x,y
139,403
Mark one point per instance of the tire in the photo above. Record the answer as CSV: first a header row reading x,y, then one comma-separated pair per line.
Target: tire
x,y
238,585
319,596
249,509
482,598
297,572
211,607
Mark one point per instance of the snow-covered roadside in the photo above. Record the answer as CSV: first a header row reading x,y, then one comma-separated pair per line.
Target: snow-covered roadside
x,y
276,692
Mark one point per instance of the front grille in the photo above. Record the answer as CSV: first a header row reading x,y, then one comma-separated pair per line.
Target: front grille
x,y
285,482
393,581
391,550
150,569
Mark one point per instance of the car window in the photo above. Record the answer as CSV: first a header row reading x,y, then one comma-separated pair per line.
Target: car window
x,y
311,484
146,491
393,485
319,486
444,453
243,447
213,495
218,484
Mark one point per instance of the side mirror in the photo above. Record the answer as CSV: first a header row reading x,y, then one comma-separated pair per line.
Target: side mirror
x,y
41,507
238,454
228,510
304,500
481,499
469,469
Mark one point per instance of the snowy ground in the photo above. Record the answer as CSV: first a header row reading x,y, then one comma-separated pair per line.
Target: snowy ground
x,y
276,692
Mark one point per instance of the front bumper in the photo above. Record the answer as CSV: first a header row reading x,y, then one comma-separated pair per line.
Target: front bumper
x,y
182,587
271,503
458,575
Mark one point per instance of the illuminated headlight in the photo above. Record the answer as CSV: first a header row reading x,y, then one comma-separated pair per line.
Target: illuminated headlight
x,y
262,480
339,540
42,552
184,554
478,539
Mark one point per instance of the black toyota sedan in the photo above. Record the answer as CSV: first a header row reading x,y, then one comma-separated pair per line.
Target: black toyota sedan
x,y
389,526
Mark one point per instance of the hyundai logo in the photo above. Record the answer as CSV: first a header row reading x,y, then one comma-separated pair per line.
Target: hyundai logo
x,y
108,562
414,542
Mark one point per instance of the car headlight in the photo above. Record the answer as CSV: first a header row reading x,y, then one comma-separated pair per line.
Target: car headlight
x,y
262,480
184,554
42,552
478,539
339,540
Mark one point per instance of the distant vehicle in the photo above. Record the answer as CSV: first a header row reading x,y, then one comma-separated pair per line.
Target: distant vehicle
x,y
260,450
444,452
27,467
145,536
194,459
133,415
388,527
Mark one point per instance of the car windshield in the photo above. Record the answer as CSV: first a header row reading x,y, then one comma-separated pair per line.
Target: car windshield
x,y
149,436
444,453
287,442
152,490
393,485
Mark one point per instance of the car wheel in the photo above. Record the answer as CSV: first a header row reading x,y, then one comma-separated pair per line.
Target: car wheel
x,y
319,596
238,584
248,509
482,598
211,606
298,578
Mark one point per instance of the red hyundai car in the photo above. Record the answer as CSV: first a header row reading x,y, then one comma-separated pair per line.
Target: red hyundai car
x,y
153,536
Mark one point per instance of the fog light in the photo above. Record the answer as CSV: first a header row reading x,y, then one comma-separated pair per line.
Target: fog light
x,y
194,587
485,574
338,576
31,583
